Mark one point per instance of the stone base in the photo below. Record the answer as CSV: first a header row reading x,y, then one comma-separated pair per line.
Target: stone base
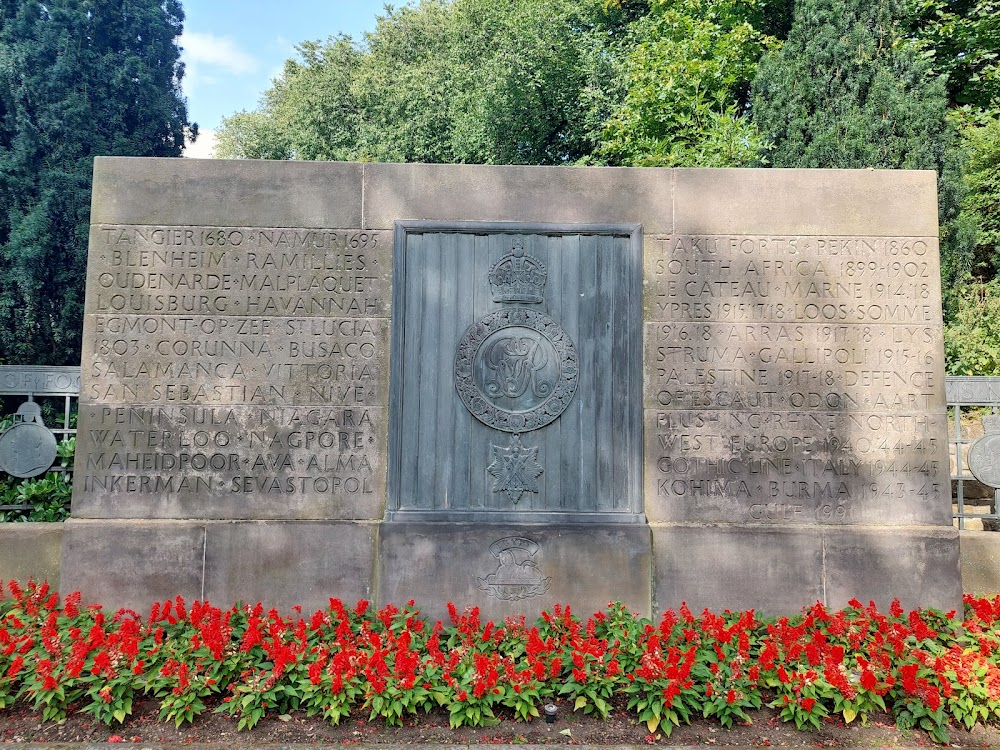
x,y
510,569
30,550
281,563
741,567
981,562
504,569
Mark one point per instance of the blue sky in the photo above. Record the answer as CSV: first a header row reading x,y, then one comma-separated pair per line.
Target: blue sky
x,y
233,48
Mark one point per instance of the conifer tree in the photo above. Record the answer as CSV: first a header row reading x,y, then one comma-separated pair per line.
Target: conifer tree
x,y
78,79
846,90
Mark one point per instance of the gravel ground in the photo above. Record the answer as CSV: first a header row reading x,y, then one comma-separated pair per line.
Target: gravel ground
x,y
19,725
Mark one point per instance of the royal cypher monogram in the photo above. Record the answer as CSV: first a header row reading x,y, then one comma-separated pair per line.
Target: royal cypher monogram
x,y
514,364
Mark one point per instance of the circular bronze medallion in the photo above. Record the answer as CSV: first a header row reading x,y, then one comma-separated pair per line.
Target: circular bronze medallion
x,y
27,450
984,460
516,370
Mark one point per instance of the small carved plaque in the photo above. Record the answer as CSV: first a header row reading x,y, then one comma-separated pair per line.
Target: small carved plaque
x,y
518,575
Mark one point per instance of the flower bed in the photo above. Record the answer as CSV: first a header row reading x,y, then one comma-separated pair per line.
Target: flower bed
x,y
926,668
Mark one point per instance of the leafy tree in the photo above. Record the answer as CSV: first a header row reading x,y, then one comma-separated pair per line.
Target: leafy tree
x,y
520,82
846,90
687,80
972,340
251,135
961,39
981,207
78,78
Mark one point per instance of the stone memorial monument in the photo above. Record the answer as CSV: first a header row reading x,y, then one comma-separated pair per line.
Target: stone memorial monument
x,y
511,387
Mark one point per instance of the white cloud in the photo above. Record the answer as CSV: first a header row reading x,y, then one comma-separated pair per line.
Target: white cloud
x,y
216,51
204,147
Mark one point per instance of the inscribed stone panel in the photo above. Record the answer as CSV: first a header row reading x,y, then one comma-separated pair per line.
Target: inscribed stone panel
x,y
794,380
234,372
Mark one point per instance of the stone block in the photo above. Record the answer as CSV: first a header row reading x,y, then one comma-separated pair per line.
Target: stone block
x,y
30,550
731,567
791,385
980,562
559,195
284,564
133,563
508,569
826,202
216,192
920,565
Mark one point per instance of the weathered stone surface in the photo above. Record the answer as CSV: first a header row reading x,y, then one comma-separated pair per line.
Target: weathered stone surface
x,y
225,271
30,550
918,565
794,467
466,192
240,371
234,360
133,563
795,378
792,389
507,569
172,192
980,562
285,564
805,202
862,279
234,461
729,567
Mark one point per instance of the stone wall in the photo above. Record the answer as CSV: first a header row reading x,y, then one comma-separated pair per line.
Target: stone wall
x,y
241,436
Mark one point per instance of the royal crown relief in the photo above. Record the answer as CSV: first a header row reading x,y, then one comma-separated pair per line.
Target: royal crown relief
x,y
516,370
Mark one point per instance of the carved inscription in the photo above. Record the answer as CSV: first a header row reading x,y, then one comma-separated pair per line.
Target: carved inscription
x,y
234,372
794,380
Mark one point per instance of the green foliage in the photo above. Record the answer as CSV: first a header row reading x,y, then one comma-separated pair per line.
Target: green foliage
x,y
961,39
78,78
927,669
847,91
981,207
250,135
972,339
686,77
523,82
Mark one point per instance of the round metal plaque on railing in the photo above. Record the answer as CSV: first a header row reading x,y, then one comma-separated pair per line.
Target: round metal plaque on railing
x,y
984,460
28,448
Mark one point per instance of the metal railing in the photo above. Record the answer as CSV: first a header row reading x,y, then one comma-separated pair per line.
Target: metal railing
x,y
47,384
968,399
